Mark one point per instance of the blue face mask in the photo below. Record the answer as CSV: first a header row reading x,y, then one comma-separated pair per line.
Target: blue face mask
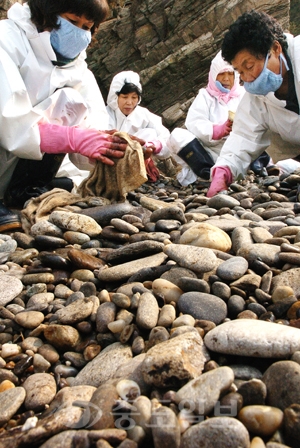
x,y
221,88
69,40
267,81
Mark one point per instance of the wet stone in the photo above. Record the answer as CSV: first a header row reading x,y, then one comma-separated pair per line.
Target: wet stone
x,y
188,284
83,260
54,261
203,306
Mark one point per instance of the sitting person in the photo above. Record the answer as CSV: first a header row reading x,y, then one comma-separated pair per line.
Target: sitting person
x,y
208,123
50,102
268,61
125,114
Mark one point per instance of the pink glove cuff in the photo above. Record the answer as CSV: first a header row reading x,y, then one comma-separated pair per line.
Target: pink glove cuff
x,y
221,179
219,170
54,139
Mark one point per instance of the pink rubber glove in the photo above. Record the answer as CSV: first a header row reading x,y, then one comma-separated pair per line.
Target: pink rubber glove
x,y
156,146
221,130
221,179
91,143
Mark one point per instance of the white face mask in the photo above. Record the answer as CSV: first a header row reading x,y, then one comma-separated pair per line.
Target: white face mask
x,y
69,40
267,81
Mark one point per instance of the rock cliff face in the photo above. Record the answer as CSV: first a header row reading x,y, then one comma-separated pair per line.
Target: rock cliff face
x,y
170,43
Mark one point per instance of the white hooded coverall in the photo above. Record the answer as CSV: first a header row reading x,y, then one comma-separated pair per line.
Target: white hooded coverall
x,y
205,112
140,122
33,89
261,121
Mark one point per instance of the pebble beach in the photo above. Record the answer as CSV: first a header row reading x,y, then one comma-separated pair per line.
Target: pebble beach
x,y
171,320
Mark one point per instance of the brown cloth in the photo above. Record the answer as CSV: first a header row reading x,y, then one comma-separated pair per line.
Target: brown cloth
x,y
114,182
42,206
152,170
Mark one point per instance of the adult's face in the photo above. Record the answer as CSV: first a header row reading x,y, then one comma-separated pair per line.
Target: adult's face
x,y
79,21
250,66
127,102
226,79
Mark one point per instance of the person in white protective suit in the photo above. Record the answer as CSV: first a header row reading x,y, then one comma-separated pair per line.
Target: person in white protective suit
x,y
125,114
268,61
50,102
208,123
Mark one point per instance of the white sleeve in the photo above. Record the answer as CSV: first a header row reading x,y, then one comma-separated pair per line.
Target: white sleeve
x,y
249,137
19,132
155,130
97,116
198,118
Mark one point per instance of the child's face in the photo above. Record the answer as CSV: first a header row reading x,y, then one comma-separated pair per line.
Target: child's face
x,y
226,79
79,21
127,102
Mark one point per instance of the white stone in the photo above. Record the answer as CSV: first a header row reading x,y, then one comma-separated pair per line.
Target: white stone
x,y
248,337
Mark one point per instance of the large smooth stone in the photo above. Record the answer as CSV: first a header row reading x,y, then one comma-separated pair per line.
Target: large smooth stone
x,y
75,222
203,234
249,337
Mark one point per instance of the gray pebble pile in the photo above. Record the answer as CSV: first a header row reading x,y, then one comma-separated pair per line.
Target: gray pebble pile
x,y
168,321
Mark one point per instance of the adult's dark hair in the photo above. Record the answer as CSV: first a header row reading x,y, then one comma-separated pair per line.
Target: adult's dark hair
x,y
253,31
44,12
129,87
